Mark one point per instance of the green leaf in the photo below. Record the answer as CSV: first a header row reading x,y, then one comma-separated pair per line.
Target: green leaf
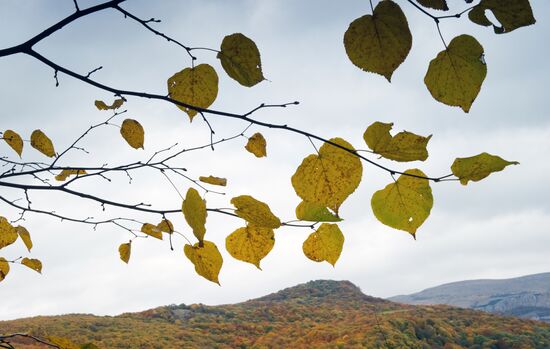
x,y
207,259
25,236
257,145
124,250
196,86
33,264
240,59
250,244
405,204
313,212
455,76
14,140
325,244
151,230
4,268
435,4
255,212
379,43
330,177
512,14
42,143
475,168
194,210
404,146
8,234
133,133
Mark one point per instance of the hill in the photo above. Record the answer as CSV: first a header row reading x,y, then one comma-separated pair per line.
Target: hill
x,y
526,296
318,314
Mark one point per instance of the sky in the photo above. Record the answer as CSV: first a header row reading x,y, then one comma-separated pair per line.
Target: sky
x,y
496,228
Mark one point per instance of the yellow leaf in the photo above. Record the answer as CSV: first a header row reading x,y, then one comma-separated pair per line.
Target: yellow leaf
x,y
404,146
313,212
194,86
511,14
475,168
64,174
405,204
116,104
379,43
133,133
14,140
8,234
325,244
435,4
194,211
250,244
166,226
455,76
330,177
42,143
124,250
206,258
152,230
257,145
33,264
4,268
240,59
255,212
213,180
25,236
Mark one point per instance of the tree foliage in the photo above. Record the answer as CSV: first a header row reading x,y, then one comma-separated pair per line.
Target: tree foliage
x,y
377,42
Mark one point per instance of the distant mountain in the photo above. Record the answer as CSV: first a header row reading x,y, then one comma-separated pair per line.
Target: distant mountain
x,y
526,296
318,314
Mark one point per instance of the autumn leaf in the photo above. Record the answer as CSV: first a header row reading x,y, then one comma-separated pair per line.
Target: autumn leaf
x,y
33,264
25,236
455,76
240,59
330,177
151,230
103,106
325,244
4,268
196,86
166,226
8,234
64,174
250,244
14,140
511,14
313,212
404,204
133,133
194,211
42,143
255,212
213,180
435,4
257,145
404,146
380,42
206,258
124,250
475,168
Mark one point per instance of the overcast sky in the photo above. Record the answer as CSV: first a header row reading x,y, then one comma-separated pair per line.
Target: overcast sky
x,y
497,228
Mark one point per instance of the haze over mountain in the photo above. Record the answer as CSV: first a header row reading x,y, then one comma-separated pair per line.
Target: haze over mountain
x,y
526,296
318,314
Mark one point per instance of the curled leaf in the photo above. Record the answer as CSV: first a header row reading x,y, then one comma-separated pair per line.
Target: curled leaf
x,y
255,212
240,59
435,4
380,42
124,250
196,86
103,106
151,230
42,143
64,174
313,212
4,268
133,133
404,146
194,211
257,145
14,140
206,258
325,244
511,14
213,180
404,204
25,236
166,226
33,264
8,234
475,168
250,244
